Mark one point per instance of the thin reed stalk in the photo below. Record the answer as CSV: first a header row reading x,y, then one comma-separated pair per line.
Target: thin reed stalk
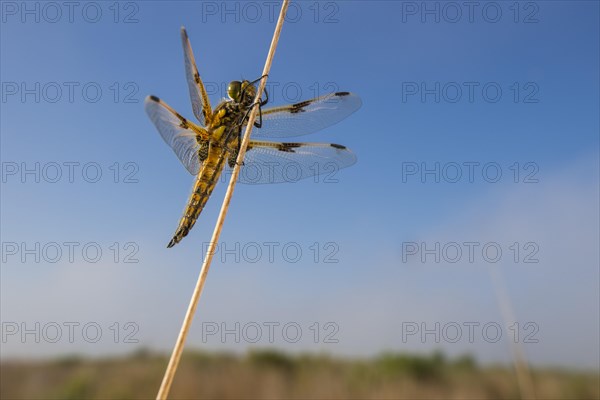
x,y
165,386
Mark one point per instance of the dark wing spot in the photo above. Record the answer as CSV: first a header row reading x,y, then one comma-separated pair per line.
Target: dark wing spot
x,y
342,94
288,147
184,122
154,98
197,77
299,107
338,146
184,32
232,159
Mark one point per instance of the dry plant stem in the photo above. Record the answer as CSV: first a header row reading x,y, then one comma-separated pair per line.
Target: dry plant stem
x,y
524,378
165,386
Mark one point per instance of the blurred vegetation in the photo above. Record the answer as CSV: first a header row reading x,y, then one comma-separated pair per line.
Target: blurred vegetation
x,y
276,375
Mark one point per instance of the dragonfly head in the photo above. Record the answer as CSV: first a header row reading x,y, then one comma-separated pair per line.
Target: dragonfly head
x,y
241,92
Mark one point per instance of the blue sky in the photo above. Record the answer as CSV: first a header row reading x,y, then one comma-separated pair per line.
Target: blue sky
x,y
543,124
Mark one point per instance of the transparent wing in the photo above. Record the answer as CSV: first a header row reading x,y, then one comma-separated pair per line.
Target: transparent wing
x,y
183,136
200,102
308,116
273,162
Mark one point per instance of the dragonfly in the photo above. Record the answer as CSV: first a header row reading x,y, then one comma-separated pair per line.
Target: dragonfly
x,y
208,147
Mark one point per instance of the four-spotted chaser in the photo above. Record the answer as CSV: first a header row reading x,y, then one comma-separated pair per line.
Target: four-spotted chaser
x,y
205,149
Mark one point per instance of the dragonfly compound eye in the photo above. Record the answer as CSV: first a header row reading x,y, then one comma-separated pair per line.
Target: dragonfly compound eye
x,y
234,90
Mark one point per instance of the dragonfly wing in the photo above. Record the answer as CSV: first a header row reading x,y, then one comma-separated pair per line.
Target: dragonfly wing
x,y
274,162
307,116
183,136
198,96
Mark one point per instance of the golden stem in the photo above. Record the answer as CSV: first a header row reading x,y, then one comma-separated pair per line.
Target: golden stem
x,y
165,386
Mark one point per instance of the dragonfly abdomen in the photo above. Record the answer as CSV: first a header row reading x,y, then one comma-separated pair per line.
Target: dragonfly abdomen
x,y
203,188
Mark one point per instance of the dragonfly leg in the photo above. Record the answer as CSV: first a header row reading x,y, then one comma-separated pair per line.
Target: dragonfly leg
x,y
258,79
247,114
260,104
263,102
266,100
259,123
237,150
